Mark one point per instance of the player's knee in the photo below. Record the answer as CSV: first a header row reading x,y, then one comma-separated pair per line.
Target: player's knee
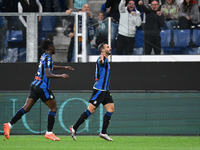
x,y
92,110
111,110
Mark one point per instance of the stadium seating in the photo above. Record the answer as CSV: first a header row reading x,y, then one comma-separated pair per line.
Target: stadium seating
x,y
139,43
139,38
14,36
193,51
196,37
48,23
181,38
166,38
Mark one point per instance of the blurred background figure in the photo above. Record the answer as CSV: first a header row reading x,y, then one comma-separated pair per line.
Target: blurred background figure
x,y
78,4
129,20
152,27
3,30
91,24
170,10
102,30
188,14
28,6
51,6
113,5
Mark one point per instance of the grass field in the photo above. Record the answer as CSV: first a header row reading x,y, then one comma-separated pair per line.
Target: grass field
x,y
29,142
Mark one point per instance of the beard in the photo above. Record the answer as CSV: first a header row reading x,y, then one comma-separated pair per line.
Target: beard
x,y
108,53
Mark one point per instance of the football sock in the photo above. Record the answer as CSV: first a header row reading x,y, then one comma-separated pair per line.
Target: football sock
x,y
82,119
48,133
51,120
17,116
106,121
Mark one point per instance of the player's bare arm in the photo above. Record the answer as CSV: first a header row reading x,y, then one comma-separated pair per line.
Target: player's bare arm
x,y
50,75
63,67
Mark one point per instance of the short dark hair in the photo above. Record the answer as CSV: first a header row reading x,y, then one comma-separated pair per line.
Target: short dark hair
x,y
154,0
127,1
101,46
45,44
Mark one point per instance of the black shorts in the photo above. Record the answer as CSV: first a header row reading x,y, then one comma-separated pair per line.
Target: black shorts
x,y
99,97
44,94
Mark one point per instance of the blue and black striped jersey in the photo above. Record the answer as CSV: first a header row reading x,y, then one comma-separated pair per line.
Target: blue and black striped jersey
x,y
102,75
40,78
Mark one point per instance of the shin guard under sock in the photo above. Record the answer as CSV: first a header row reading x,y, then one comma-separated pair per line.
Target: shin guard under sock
x,y
106,121
17,116
82,119
51,120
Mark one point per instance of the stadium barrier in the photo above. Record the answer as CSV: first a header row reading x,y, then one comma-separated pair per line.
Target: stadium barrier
x,y
150,98
135,114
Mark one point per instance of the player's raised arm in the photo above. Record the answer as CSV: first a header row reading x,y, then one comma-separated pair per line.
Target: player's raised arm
x,y
101,61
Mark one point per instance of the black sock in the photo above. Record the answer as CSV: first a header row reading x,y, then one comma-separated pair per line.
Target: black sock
x,y
51,120
106,121
17,116
82,119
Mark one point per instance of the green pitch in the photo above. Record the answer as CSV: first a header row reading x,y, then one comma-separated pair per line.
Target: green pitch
x,y
38,142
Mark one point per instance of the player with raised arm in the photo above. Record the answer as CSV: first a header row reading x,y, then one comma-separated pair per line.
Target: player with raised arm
x,y
100,94
39,88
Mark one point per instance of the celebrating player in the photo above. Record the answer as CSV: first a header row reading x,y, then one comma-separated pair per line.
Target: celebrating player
x,y
100,94
39,88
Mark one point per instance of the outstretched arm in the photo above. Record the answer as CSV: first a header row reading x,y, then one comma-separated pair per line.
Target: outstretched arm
x,y
144,8
63,67
20,10
50,75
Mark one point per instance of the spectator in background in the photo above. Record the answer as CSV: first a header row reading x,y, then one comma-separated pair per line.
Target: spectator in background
x,y
51,6
114,13
147,3
78,4
28,6
188,14
1,4
102,30
198,5
3,30
179,2
170,11
11,6
152,27
105,10
91,24
129,19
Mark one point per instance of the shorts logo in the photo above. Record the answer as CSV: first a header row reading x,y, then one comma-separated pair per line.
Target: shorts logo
x,y
95,102
51,96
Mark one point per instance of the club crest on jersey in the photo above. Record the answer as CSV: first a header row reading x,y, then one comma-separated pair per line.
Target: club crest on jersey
x,y
49,63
